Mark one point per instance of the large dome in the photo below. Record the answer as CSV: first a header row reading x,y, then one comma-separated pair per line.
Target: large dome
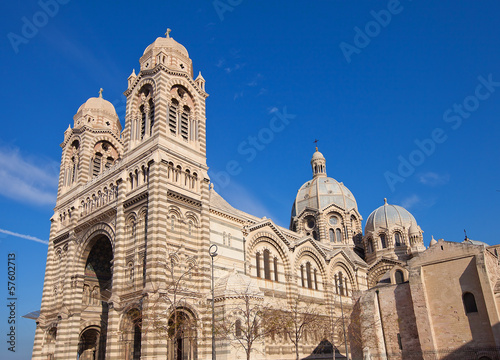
x,y
320,192
388,216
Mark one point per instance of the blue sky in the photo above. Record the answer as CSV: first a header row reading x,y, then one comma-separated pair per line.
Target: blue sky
x,y
403,97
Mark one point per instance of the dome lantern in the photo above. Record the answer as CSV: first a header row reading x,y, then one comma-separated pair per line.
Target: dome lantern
x,y
318,164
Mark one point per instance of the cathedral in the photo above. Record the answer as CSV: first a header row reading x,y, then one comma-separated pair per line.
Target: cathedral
x,y
129,273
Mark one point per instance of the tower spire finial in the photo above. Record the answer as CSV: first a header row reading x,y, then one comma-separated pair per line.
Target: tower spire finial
x,y
100,92
316,143
167,34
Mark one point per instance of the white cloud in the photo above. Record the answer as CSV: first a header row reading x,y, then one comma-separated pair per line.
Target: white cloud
x,y
255,80
220,63
433,179
31,181
27,237
410,201
230,69
273,110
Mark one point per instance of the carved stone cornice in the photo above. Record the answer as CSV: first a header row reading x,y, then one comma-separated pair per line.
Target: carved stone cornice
x,y
138,198
61,238
95,219
184,199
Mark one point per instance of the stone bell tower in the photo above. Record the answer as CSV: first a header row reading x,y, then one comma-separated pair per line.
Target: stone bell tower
x,y
131,218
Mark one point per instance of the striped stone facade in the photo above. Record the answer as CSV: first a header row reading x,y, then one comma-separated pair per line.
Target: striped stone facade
x,y
128,272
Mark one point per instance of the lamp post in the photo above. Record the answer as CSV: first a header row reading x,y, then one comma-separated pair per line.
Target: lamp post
x,y
213,253
343,323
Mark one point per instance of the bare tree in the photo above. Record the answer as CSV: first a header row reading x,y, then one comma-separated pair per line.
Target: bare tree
x,y
247,320
297,317
167,314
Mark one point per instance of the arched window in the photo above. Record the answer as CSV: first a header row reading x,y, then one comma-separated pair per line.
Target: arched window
x,y
370,246
184,129
469,303
172,117
74,168
237,328
302,275
257,264
96,166
399,277
131,272
397,239
341,285
267,269
338,235
143,121
382,241
315,279
332,235
275,261
109,162
309,276
172,224
151,116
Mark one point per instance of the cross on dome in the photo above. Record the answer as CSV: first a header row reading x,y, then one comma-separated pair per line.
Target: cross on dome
x,y
167,34
100,93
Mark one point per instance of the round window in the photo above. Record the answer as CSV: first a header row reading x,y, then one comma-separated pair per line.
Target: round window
x,y
310,222
334,220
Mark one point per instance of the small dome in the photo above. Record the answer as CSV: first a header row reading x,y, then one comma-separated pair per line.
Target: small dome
x,y
97,113
414,229
167,52
236,284
317,156
168,44
475,242
388,216
98,104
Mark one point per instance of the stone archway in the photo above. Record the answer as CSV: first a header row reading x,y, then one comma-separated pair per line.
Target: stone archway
x,y
98,274
91,345
131,335
182,336
97,280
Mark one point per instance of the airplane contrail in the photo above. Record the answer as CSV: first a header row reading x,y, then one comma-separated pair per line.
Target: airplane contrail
x,y
27,237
